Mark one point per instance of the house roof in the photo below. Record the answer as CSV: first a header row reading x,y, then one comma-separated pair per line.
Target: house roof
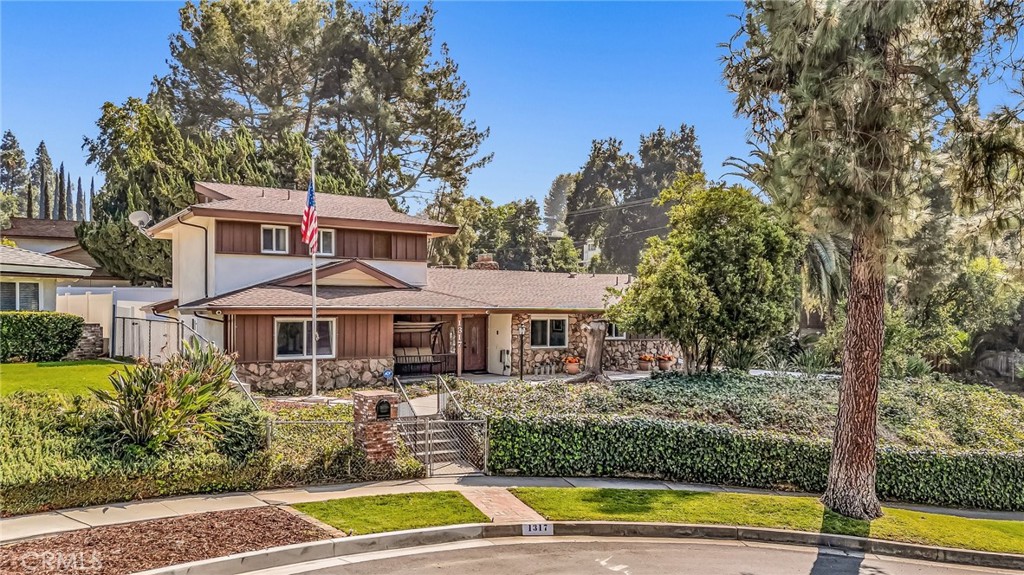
x,y
17,261
278,205
35,228
447,289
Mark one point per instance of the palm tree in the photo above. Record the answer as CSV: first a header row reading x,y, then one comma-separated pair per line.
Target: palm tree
x,y
825,263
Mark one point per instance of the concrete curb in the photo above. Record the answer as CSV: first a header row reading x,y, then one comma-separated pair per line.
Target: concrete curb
x,y
331,548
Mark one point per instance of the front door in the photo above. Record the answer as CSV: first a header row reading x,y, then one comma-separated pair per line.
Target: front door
x,y
474,343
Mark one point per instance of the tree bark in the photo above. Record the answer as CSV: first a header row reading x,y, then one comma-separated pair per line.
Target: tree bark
x,y
595,332
851,475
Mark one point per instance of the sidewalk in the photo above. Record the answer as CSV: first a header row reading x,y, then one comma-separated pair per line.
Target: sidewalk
x,y
486,492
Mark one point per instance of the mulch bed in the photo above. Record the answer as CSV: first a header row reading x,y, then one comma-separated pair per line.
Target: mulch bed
x,y
134,547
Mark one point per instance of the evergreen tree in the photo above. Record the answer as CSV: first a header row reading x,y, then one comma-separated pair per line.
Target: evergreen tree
x,y
853,100
14,175
61,209
662,157
601,183
315,67
555,202
80,202
92,198
522,247
41,170
69,200
30,194
44,197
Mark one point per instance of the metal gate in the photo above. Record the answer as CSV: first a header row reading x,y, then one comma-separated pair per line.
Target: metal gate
x,y
446,447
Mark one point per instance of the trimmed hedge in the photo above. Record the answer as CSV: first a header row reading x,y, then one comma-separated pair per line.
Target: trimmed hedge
x,y
719,454
38,335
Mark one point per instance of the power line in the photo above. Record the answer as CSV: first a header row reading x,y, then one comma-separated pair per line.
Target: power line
x,y
629,204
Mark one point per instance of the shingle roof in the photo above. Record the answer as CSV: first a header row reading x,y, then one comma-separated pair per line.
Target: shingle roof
x,y
33,228
260,200
447,289
19,260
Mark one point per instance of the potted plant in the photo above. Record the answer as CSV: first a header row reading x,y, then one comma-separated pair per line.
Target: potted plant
x,y
664,361
572,365
646,359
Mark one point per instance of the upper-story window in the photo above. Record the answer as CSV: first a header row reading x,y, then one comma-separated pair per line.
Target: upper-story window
x,y
274,239
19,296
326,242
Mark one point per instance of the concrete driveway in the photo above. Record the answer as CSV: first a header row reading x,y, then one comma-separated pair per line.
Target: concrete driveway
x,y
592,556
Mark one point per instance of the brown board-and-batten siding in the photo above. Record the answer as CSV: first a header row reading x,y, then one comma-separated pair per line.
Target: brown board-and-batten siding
x,y
245,237
356,336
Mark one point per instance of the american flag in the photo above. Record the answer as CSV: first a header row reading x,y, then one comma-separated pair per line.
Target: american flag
x,y
309,224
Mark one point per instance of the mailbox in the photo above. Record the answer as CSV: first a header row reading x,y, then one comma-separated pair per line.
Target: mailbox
x,y
383,410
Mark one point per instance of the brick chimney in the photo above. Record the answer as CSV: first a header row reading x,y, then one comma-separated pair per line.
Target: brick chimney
x,y
484,262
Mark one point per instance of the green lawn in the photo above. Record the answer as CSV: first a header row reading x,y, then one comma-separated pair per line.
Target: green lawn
x,y
380,513
797,513
68,377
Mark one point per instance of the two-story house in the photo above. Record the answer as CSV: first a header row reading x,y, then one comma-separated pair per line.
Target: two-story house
x,y
242,278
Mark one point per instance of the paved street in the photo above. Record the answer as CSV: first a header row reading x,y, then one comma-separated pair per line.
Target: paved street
x,y
629,557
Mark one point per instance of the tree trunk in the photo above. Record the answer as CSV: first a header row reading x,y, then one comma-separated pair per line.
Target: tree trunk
x,y
851,475
593,371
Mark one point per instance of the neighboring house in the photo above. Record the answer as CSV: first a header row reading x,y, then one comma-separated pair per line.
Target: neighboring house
x,y
242,278
57,238
28,279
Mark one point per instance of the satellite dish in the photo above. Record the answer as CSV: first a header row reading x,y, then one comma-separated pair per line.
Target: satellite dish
x,y
140,219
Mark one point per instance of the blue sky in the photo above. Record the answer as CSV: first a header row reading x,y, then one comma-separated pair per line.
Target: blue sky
x,y
547,78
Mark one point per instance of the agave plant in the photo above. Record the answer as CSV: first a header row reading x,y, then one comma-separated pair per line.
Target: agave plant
x,y
152,405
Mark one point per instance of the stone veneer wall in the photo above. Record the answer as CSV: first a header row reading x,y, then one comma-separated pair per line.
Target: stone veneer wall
x,y
331,373
90,345
619,354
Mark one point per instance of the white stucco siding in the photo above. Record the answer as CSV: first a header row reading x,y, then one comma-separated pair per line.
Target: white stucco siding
x,y
47,290
413,273
188,261
211,329
236,271
499,337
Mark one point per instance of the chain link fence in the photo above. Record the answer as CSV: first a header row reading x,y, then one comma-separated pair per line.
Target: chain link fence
x,y
324,451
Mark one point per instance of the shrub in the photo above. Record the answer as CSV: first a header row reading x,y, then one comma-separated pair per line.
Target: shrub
x,y
151,405
38,335
719,454
245,427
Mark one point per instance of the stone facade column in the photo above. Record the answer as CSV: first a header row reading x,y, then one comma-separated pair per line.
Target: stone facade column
x,y
374,434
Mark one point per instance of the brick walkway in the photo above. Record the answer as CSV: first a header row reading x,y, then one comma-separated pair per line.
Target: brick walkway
x,y
500,505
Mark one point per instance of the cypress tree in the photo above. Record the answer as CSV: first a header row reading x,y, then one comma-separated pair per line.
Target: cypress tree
x,y
60,196
69,200
80,202
44,197
28,199
92,196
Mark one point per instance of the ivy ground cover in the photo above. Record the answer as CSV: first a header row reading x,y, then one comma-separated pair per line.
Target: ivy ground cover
x,y
913,413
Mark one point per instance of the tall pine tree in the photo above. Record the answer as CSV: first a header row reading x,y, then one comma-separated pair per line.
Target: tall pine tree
x,y
92,198
13,170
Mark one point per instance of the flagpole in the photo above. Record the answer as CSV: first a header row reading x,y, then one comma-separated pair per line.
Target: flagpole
x,y
312,257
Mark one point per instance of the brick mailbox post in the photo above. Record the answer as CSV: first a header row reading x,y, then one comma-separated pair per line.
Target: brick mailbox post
x,y
374,413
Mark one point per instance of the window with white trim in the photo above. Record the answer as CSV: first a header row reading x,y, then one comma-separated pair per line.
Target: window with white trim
x,y
325,239
293,338
19,296
548,332
614,332
274,239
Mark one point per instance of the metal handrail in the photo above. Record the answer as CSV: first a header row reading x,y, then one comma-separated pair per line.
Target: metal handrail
x,y
441,383
399,388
